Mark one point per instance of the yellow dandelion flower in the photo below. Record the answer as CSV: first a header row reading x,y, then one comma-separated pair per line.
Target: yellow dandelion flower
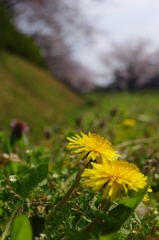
x,y
146,198
116,176
92,147
129,122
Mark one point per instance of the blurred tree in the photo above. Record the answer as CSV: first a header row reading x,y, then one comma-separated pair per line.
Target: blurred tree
x,y
133,63
56,26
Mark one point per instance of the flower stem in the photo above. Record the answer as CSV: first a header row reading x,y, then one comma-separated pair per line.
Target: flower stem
x,y
64,199
92,224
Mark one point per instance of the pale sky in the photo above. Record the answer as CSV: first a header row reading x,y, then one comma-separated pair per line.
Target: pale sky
x,y
122,20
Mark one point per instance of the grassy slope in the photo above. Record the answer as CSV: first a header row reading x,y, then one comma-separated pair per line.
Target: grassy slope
x,y
32,94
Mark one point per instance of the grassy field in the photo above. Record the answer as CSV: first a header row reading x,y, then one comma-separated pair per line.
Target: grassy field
x,y
35,177
110,110
32,95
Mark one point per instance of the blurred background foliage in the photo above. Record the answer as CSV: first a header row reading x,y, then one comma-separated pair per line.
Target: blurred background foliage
x,y
16,42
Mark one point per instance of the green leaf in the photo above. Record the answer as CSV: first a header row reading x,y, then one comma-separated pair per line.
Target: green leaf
x,y
110,236
1,203
118,215
9,221
1,212
92,204
66,208
76,235
125,232
21,229
126,206
34,178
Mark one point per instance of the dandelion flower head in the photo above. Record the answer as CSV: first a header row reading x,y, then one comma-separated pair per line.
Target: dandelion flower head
x,y
129,122
146,198
117,177
92,147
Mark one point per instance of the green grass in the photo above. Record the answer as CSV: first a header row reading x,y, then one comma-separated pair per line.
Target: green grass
x,y
48,183
109,110
33,95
